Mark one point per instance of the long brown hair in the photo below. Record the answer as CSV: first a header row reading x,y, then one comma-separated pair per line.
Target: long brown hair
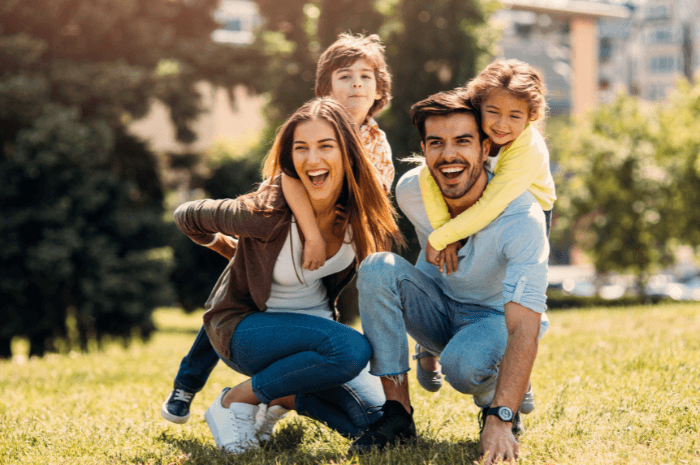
x,y
369,211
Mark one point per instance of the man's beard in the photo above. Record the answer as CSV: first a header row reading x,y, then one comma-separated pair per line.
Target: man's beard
x,y
459,190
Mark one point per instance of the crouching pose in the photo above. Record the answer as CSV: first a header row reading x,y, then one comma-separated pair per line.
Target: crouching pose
x,y
273,320
486,317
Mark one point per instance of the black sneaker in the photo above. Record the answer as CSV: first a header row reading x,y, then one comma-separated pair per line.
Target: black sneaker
x,y
395,427
176,407
518,427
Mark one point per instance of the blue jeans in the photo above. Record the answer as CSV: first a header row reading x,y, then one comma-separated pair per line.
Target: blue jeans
x,y
322,362
197,364
395,297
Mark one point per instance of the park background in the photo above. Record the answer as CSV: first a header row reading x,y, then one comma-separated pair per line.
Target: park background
x,y
112,112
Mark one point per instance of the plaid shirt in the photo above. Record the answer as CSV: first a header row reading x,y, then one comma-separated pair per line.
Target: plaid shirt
x,y
378,151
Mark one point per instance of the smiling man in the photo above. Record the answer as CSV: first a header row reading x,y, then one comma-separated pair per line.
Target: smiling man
x,y
484,319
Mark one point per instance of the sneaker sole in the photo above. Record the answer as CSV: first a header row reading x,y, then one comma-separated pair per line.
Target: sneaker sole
x,y
212,427
172,418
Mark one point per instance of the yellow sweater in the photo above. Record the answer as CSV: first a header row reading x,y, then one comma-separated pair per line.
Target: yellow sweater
x,y
524,165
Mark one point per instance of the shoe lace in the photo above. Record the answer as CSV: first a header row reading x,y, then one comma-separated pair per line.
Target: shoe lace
x,y
183,396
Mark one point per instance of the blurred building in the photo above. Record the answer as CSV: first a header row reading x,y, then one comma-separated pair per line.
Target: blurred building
x,y
225,118
239,19
560,38
647,53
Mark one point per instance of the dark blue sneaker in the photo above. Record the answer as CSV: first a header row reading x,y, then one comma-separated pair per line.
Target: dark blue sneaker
x,y
395,427
176,407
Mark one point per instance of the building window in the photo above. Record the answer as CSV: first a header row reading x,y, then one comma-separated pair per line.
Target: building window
x,y
661,36
656,12
605,50
664,64
523,30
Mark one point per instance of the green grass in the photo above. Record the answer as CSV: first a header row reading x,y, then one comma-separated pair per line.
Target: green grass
x,y
613,386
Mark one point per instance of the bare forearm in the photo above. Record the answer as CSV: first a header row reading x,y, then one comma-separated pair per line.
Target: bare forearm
x,y
516,366
298,201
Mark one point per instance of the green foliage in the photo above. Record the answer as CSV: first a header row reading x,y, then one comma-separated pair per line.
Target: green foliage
x,y
80,198
612,191
612,386
678,148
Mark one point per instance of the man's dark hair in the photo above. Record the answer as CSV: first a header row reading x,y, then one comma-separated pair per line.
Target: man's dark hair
x,y
444,103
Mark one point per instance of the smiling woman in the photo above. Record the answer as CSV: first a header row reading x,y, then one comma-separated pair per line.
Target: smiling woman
x,y
319,367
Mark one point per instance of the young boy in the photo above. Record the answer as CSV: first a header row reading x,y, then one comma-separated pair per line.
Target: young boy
x,y
353,72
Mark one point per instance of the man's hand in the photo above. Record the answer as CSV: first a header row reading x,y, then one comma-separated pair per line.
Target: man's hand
x,y
314,253
447,256
497,442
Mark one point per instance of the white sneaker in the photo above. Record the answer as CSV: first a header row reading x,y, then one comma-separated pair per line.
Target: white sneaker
x,y
266,419
233,428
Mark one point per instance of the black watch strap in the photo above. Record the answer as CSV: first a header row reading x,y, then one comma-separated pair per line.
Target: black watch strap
x,y
503,413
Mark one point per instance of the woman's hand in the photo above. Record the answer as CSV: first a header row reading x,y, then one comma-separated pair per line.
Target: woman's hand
x,y
314,253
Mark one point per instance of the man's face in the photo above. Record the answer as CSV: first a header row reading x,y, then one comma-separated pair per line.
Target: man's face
x,y
453,152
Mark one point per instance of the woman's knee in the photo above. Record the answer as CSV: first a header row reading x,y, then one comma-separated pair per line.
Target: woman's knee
x,y
355,353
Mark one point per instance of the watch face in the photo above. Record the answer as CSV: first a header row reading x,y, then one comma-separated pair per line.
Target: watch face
x,y
505,414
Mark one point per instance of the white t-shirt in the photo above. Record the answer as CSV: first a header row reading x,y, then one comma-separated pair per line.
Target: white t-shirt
x,y
295,289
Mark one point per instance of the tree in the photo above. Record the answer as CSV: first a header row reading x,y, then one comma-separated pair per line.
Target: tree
x,y
613,193
80,197
678,147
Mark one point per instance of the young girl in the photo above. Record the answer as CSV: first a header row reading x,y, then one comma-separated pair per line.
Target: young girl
x,y
510,96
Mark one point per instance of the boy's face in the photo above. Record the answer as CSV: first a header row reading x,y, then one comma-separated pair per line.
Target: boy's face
x,y
503,116
355,87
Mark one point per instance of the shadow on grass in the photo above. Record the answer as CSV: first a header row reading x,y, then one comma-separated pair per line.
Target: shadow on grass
x,y
287,447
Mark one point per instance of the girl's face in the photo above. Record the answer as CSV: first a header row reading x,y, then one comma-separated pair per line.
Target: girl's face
x,y
503,116
318,161
355,88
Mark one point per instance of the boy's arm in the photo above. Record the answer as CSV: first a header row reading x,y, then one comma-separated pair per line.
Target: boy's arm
x,y
298,200
224,245
435,205
516,171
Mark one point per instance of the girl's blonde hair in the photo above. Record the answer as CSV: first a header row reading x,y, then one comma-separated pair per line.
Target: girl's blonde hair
x,y
369,211
517,77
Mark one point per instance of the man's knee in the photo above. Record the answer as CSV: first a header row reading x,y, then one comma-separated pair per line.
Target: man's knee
x,y
469,373
375,267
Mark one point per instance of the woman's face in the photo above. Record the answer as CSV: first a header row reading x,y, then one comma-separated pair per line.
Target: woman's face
x,y
318,161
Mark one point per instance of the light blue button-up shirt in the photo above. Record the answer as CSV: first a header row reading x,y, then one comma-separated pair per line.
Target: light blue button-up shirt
x,y
504,262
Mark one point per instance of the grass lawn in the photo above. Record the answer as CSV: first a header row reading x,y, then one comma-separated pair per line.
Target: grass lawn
x,y
613,386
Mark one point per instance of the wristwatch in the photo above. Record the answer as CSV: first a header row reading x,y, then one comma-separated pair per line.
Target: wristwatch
x,y
503,413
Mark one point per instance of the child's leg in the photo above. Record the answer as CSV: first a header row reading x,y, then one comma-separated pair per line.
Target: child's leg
x,y
197,364
190,379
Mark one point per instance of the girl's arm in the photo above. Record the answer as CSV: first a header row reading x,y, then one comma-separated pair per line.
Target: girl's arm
x,y
516,170
298,200
435,205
